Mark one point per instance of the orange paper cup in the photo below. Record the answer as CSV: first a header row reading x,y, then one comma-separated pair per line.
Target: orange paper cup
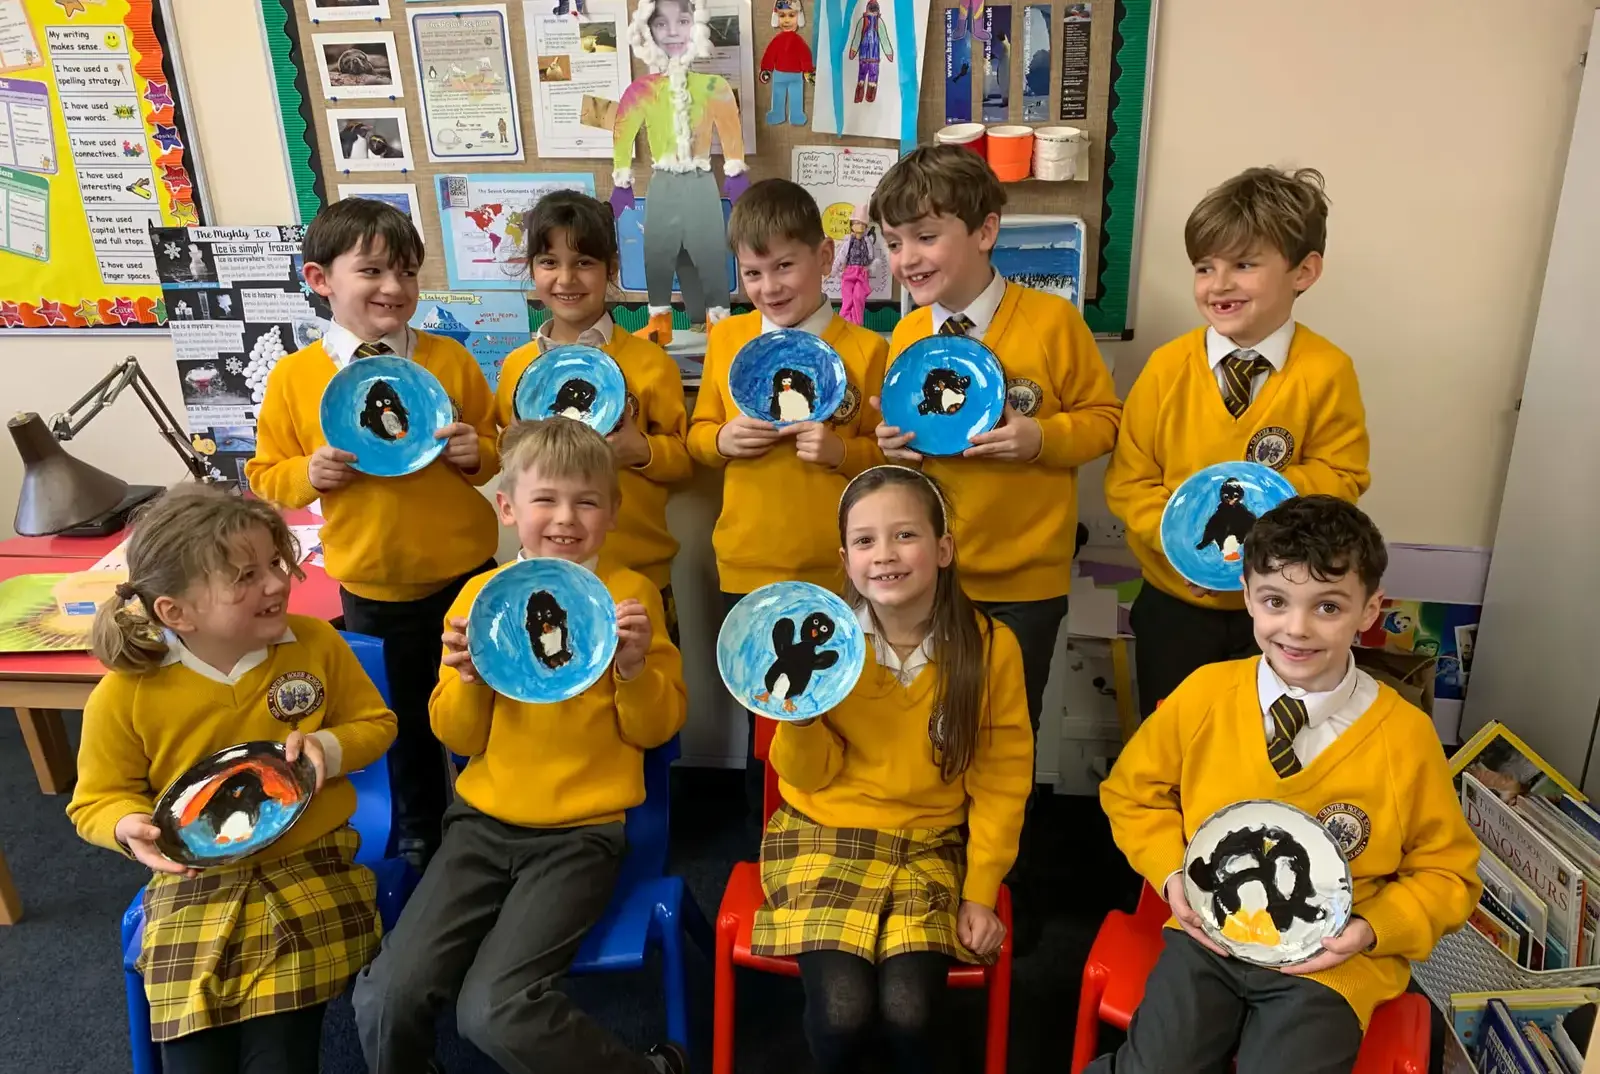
x,y
969,135
1010,152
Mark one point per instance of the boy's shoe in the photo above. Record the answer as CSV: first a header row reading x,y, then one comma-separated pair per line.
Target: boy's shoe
x,y
670,1058
659,329
415,851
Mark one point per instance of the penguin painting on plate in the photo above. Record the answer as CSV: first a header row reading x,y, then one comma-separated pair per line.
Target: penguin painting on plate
x,y
791,672
1230,523
547,629
232,801
1277,865
573,399
794,396
384,413
943,392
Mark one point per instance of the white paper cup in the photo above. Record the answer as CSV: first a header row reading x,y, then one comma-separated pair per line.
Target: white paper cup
x,y
967,134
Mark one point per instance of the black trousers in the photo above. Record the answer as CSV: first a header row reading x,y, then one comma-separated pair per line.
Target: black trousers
x,y
1175,638
287,1043
669,606
410,631
1200,1010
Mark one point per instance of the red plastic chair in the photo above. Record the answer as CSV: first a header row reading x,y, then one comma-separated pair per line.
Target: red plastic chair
x,y
744,896
1125,951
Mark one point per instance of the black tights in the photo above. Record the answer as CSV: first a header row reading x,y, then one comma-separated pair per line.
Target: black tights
x,y
287,1043
846,996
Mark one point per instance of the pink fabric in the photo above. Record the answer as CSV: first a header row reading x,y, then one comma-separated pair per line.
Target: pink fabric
x,y
854,287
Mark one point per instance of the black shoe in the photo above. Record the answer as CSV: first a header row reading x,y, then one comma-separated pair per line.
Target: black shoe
x,y
415,851
673,1058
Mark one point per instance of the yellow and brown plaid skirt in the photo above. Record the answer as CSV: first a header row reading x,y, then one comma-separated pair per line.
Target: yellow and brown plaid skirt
x,y
871,892
243,941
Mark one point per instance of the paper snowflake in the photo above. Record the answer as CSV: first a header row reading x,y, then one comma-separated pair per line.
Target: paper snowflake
x,y
172,250
234,366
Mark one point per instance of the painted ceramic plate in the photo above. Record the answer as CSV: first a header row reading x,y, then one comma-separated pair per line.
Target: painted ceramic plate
x,y
1268,881
575,381
384,410
786,377
542,630
790,650
946,389
1205,523
232,804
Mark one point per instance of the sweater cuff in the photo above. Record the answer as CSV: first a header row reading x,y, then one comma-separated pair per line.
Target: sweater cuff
x,y
734,167
332,753
1397,928
1055,441
622,177
982,885
301,492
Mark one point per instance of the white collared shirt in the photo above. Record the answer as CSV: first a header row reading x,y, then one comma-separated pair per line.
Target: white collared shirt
x,y
341,343
596,335
1275,349
1328,714
980,311
815,325
886,656
589,564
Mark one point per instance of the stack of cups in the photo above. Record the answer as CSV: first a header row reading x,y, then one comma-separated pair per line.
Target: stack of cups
x,y
1058,152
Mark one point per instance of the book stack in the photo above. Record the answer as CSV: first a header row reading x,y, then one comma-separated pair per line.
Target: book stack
x,y
1529,1032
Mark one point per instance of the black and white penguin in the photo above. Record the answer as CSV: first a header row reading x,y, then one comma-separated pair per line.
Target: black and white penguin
x,y
231,802
547,629
794,396
573,399
1230,523
943,392
384,414
1269,857
791,672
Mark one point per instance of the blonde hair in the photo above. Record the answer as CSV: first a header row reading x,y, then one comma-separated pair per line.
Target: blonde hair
x,y
1287,211
179,541
937,180
560,448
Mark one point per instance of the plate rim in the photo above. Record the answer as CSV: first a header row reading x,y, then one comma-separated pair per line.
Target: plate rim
x,y
512,567
427,457
922,344
522,377
1161,528
844,374
185,856
849,617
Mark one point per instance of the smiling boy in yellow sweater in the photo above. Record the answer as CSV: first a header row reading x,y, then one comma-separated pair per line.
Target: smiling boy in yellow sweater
x,y
1252,385
1303,725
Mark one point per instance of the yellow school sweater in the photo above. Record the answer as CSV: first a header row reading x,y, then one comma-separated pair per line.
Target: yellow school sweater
x,y
779,519
384,538
869,764
1307,422
141,732
655,389
1016,523
578,762
1415,862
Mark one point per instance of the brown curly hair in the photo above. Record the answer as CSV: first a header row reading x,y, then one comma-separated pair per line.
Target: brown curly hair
x,y
1330,537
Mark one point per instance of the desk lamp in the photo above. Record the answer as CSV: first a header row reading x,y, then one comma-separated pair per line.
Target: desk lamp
x,y
61,494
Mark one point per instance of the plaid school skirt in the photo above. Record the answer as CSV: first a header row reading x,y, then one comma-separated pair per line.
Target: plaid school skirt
x,y
239,942
874,893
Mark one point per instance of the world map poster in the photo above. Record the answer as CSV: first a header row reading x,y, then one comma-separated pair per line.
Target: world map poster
x,y
481,217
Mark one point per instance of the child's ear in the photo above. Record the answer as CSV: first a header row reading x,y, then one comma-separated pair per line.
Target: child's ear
x,y
1307,273
947,551
172,614
503,504
825,252
1369,612
317,277
989,232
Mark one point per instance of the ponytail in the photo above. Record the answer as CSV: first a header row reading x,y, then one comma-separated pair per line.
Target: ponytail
x,y
124,637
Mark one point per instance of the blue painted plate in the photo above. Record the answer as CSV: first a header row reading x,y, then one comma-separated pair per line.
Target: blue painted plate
x,y
232,804
574,381
542,630
787,376
791,651
946,390
384,410
1204,524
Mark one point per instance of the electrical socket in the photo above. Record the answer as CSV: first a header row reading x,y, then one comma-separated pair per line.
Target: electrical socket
x,y
1106,530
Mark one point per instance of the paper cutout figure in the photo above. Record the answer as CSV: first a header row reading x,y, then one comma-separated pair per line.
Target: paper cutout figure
x,y
871,44
678,108
968,15
795,661
787,65
855,261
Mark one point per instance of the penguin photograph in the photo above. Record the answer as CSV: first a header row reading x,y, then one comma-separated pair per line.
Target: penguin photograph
x,y
943,392
227,810
794,396
573,399
797,659
547,629
1230,523
384,414
1259,880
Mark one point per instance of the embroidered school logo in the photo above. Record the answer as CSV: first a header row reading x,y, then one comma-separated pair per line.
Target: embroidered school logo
x,y
1272,446
1024,395
293,696
849,407
936,731
1349,825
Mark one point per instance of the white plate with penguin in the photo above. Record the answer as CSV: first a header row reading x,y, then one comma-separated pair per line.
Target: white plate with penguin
x,y
385,410
1268,881
231,804
1205,523
946,390
573,381
786,377
542,630
790,650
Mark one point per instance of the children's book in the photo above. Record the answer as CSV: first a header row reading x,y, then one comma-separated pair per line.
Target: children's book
x,y
1581,815
1502,1049
1570,839
1500,927
1505,764
1542,1049
1523,902
1545,1007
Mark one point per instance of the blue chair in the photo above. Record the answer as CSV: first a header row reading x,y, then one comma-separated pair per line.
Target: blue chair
x,y
373,820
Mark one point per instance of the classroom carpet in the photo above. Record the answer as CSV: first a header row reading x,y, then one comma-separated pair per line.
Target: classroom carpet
x,y
61,982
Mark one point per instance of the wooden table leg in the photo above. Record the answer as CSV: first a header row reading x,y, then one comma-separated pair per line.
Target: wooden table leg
x,y
46,735
10,901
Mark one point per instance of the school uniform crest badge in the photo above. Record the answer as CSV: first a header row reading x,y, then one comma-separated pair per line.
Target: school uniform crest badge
x,y
936,732
1272,446
1024,396
1349,825
294,695
849,407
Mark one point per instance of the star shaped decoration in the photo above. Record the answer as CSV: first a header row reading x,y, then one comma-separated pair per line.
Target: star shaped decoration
x,y
166,137
88,312
122,309
183,212
152,309
159,95
159,311
70,8
52,312
176,177
10,315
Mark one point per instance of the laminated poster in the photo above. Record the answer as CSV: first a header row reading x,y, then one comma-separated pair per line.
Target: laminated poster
x,y
1036,61
489,324
1075,34
481,217
571,56
468,90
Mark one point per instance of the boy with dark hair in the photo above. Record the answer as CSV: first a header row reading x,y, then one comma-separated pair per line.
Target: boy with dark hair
x,y
400,547
1252,385
1300,724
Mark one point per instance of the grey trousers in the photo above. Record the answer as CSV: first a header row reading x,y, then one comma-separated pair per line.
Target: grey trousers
x,y
493,925
1200,1010
684,232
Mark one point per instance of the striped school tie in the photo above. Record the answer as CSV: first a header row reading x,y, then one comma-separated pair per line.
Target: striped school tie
x,y
958,324
367,350
1238,370
1289,716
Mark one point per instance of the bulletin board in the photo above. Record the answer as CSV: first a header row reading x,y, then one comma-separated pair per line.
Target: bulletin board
x,y
1110,78
95,151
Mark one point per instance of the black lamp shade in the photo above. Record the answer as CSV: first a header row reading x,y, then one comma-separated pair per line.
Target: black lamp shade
x,y
58,491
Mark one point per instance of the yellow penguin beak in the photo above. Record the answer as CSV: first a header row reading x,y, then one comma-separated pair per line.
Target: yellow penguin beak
x,y
1251,926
